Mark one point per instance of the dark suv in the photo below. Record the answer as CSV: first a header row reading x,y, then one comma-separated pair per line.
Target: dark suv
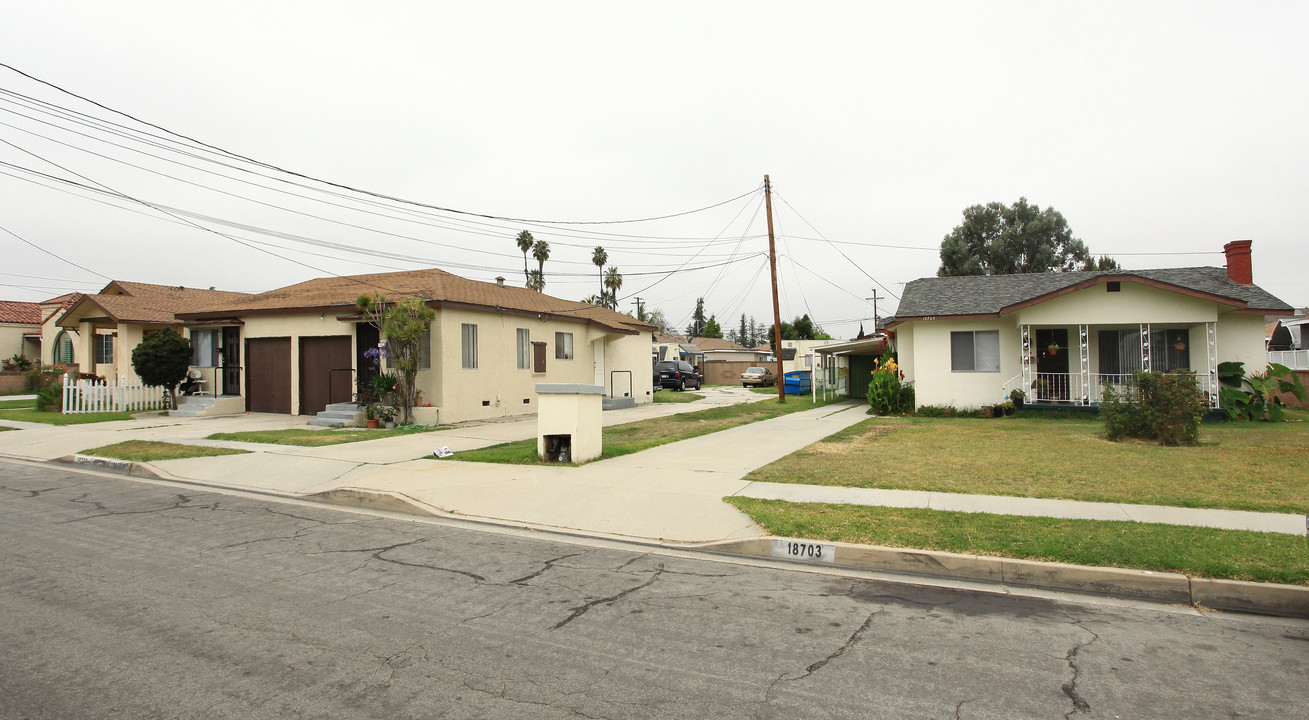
x,y
677,375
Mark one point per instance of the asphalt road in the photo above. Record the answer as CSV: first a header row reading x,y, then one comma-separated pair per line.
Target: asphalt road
x,y
124,599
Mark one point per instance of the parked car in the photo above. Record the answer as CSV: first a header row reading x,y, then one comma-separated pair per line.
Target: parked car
x,y
677,374
758,376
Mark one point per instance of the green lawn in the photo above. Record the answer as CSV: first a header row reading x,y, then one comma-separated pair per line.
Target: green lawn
x,y
315,438
1237,466
669,396
52,418
149,451
1198,552
16,404
638,436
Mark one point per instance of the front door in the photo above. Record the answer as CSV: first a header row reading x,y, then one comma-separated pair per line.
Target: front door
x,y
1052,353
230,360
325,374
366,338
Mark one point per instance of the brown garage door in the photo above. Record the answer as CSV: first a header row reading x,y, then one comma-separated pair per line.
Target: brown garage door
x,y
268,375
325,374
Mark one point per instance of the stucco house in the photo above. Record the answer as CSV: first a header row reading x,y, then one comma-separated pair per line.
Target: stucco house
x,y
97,332
300,348
1063,337
20,330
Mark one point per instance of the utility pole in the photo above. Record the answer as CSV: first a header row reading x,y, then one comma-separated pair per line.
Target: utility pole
x,y
777,313
874,298
640,310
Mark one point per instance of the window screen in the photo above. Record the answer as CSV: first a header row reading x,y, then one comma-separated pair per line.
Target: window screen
x,y
204,348
563,346
524,349
468,343
975,351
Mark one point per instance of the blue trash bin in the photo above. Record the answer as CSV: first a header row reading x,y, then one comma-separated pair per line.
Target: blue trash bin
x,y
797,382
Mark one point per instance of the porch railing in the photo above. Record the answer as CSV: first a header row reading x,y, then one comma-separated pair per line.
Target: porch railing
x,y
1068,387
86,396
1294,359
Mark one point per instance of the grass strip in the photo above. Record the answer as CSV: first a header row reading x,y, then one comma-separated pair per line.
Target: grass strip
x,y
53,418
676,397
1193,551
150,451
316,438
17,404
1238,466
634,437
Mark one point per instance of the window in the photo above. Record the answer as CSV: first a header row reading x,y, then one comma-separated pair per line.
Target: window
x,y
975,351
425,350
563,346
538,357
63,350
524,349
104,349
468,337
204,348
1114,286
1120,351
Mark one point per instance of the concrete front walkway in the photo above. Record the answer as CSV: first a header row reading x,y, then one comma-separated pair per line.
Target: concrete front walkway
x,y
673,492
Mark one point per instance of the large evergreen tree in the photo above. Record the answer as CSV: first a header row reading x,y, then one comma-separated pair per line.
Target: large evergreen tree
x,y
697,320
998,239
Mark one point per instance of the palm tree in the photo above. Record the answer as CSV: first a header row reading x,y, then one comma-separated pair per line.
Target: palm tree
x,y
541,251
536,281
598,258
525,241
613,283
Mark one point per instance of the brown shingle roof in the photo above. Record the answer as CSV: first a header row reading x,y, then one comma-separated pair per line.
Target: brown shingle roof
x,y
705,343
145,303
431,284
20,313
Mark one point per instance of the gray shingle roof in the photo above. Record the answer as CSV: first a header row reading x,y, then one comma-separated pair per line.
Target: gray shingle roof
x,y
991,294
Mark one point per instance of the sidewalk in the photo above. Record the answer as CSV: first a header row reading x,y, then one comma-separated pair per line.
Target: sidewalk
x,y
671,493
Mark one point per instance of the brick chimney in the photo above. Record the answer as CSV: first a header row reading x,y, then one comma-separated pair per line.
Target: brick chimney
x,y
1238,262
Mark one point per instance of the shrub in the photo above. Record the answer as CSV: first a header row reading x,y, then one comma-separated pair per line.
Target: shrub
x,y
42,376
50,398
934,411
1166,407
1261,402
18,362
162,359
888,394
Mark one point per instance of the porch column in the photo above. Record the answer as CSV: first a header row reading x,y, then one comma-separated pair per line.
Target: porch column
x,y
1211,356
1145,347
1026,358
1084,350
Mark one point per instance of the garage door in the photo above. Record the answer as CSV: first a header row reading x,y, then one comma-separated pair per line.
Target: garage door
x,y
325,372
268,375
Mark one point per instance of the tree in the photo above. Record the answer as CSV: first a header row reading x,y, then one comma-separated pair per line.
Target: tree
x,y
598,258
162,359
861,331
712,328
995,239
525,243
541,253
1104,262
613,282
404,324
536,281
697,320
656,317
743,333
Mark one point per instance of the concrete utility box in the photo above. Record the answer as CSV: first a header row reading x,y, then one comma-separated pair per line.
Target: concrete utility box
x,y
568,421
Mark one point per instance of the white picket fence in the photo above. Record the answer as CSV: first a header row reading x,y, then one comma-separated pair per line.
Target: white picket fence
x,y
84,396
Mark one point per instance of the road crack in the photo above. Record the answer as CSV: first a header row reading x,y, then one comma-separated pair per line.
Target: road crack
x,y
1080,705
549,564
581,610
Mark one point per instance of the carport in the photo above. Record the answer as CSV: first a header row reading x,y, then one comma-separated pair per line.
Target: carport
x,y
845,368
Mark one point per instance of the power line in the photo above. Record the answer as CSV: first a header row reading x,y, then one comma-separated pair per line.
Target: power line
x,y
834,247
51,254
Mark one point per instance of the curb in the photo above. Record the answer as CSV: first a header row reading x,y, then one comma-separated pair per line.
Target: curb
x,y
1174,588
120,467
370,500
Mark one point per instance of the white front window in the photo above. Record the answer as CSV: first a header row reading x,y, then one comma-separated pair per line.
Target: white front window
x,y
975,351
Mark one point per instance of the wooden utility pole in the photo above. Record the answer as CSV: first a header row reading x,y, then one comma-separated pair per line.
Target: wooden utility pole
x,y
777,313
874,298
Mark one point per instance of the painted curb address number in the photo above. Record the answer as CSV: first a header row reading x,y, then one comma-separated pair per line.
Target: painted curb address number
x,y
804,550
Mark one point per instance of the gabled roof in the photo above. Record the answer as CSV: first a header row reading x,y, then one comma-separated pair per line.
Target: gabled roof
x,y
667,338
65,300
998,294
143,303
20,313
338,294
707,344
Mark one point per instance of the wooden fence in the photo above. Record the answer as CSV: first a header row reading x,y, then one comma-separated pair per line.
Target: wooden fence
x,y
87,396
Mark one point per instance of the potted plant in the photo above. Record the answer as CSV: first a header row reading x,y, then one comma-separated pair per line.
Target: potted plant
x,y
1179,345
386,414
370,412
1052,348
1016,397
1007,408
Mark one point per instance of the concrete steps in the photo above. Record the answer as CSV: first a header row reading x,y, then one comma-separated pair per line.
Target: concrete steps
x,y
617,403
192,406
338,415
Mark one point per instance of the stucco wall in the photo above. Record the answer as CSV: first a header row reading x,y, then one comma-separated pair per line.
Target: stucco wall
x,y
929,355
11,340
1133,304
295,327
1241,339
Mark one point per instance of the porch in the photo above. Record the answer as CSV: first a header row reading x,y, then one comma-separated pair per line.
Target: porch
x,y
1073,366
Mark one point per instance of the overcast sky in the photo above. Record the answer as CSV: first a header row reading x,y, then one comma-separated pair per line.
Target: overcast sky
x,y
1153,127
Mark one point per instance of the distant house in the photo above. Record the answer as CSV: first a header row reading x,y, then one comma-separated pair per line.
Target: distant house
x,y
299,348
97,332
1063,337
20,330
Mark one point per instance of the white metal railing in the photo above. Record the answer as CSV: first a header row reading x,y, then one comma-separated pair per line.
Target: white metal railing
x,y
1294,359
86,396
1068,388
